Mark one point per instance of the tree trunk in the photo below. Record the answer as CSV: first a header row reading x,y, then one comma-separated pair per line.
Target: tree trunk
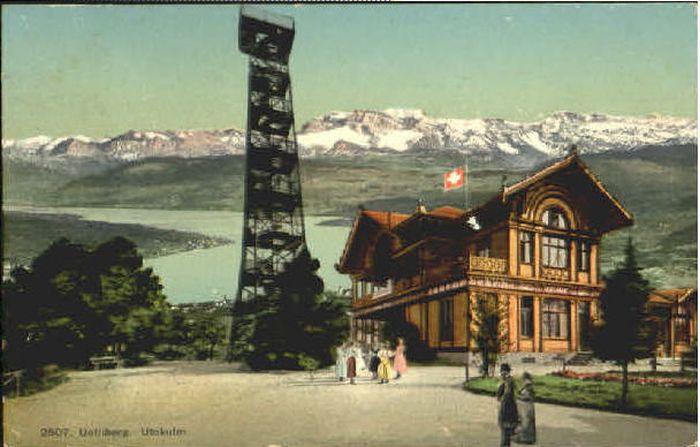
x,y
211,351
625,384
466,366
467,336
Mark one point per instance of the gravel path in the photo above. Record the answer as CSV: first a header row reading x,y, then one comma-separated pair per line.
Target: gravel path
x,y
213,404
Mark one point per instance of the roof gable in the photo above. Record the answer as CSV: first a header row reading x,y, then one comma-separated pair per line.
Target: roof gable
x,y
672,295
569,169
365,229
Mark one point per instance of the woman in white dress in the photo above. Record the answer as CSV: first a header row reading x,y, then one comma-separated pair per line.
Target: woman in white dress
x,y
341,359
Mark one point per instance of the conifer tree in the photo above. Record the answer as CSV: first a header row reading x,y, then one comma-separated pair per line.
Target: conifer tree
x,y
626,330
292,324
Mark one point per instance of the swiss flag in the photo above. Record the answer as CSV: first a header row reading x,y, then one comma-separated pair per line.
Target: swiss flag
x,y
453,179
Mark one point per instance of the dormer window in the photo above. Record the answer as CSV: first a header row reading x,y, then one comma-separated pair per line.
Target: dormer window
x,y
555,218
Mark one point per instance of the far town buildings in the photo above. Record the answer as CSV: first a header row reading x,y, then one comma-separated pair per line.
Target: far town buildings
x,y
532,250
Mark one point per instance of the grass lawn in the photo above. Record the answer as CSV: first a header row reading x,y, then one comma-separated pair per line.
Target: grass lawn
x,y
676,403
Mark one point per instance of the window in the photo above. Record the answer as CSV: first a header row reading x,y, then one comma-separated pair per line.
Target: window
x,y
525,247
555,319
681,321
483,248
554,252
584,256
446,320
526,314
555,217
359,330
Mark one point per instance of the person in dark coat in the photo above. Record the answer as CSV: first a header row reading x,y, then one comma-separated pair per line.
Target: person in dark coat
x,y
527,433
508,409
374,363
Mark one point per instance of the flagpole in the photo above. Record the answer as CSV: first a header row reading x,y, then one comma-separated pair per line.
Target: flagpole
x,y
466,188
467,335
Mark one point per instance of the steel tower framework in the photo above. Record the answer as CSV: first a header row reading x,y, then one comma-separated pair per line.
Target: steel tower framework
x,y
273,222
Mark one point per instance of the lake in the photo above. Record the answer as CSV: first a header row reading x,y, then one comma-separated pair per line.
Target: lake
x,y
210,274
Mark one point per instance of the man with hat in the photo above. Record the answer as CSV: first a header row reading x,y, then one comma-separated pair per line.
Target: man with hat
x,y
508,409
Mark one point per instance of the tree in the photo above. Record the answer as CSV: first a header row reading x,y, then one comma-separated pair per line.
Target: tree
x,y
74,302
487,334
626,330
294,322
46,317
205,330
416,348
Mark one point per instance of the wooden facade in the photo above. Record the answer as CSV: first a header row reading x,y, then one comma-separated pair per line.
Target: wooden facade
x,y
676,311
532,251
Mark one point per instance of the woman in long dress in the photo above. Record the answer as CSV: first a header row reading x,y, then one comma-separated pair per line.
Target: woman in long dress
x,y
400,363
340,363
384,370
351,365
526,433
359,359
508,409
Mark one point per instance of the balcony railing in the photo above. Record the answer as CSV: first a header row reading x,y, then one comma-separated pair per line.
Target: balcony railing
x,y
555,274
489,265
380,292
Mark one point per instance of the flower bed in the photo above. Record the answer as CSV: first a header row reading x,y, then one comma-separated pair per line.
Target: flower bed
x,y
615,377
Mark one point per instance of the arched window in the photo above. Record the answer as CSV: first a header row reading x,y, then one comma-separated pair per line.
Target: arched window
x,y
555,217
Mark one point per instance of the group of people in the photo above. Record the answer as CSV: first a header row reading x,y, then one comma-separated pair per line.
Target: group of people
x,y
516,423
350,360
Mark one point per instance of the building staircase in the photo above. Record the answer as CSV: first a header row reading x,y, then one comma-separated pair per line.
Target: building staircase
x,y
580,358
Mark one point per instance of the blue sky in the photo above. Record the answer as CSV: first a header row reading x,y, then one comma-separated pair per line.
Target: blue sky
x,y
101,70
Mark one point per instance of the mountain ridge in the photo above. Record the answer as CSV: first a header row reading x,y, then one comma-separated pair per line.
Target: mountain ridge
x,y
387,132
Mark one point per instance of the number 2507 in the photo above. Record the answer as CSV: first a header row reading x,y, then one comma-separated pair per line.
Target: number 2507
x,y
54,432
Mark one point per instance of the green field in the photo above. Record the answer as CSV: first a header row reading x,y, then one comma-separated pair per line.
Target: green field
x,y
676,403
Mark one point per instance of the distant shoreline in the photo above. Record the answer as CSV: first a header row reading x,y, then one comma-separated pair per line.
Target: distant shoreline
x,y
337,222
28,232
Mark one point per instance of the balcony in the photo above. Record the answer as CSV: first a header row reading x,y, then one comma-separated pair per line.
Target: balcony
x,y
375,292
380,292
488,265
555,274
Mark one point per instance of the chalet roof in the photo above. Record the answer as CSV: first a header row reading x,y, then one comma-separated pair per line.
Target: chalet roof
x,y
444,212
670,296
572,159
382,220
386,219
450,212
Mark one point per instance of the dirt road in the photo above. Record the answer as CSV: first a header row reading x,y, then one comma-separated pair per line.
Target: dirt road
x,y
213,404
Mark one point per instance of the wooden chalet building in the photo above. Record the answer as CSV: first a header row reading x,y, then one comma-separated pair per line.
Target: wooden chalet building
x,y
532,250
677,313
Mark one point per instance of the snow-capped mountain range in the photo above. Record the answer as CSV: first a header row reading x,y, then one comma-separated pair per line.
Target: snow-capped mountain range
x,y
130,146
390,131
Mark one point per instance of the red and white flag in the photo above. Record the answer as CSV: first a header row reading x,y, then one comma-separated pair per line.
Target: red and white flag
x,y
453,179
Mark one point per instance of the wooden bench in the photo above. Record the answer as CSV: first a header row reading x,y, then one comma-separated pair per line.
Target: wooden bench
x,y
104,362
